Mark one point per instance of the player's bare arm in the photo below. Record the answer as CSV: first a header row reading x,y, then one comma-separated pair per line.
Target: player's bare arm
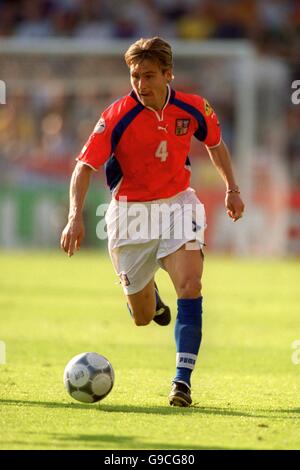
x,y
73,232
221,159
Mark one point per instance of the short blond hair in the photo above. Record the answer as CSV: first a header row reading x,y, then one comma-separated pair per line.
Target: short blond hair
x,y
155,49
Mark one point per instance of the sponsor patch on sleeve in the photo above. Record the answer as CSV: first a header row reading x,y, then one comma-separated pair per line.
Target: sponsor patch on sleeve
x,y
207,108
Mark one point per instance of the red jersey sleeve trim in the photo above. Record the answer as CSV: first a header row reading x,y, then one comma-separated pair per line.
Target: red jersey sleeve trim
x,y
215,146
87,164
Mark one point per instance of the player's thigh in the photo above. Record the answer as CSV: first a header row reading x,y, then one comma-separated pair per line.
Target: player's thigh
x,y
142,304
185,268
136,264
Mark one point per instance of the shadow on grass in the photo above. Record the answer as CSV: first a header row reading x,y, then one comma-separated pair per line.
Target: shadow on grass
x,y
198,409
47,404
69,441
112,442
156,410
294,410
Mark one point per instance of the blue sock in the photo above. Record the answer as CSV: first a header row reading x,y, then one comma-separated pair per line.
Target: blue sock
x,y
188,334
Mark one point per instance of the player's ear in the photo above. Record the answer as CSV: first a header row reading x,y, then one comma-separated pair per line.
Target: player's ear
x,y
169,75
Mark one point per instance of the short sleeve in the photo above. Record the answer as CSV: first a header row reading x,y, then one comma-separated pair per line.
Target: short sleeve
x,y
97,149
213,137
209,129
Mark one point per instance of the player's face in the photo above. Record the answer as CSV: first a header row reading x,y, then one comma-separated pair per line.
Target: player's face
x,y
150,83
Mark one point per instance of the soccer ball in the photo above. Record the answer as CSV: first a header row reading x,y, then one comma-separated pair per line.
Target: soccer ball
x,y
89,377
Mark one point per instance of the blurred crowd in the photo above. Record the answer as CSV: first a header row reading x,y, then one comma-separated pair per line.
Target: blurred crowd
x,y
273,24
44,125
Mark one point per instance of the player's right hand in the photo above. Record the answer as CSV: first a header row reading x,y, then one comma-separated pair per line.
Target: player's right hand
x,y
72,236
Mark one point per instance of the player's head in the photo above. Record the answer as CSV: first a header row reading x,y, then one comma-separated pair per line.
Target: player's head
x,y
150,62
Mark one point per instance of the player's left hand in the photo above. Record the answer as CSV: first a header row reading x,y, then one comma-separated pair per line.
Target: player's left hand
x,y
235,206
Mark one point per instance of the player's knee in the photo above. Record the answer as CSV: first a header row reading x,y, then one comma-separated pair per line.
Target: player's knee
x,y
141,321
142,316
190,288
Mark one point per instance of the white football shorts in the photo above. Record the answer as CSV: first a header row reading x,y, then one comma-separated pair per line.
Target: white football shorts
x,y
140,234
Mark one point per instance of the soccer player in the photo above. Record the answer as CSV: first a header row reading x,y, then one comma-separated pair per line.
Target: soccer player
x,y
143,139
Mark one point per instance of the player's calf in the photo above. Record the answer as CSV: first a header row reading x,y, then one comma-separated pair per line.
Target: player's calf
x,y
141,315
147,306
189,287
142,305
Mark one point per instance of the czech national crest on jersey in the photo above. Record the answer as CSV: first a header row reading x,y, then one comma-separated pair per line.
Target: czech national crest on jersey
x,y
182,126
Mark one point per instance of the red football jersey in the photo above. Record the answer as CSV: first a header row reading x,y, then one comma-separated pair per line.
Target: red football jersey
x,y
146,152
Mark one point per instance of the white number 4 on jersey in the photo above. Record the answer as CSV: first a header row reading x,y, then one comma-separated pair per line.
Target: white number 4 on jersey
x,y
162,151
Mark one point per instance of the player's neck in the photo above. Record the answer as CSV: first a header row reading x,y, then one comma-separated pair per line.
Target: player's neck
x,y
159,106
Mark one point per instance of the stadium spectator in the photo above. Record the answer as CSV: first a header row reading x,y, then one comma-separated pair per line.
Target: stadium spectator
x,y
272,25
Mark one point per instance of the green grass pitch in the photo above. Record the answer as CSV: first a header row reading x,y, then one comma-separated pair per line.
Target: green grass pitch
x,y
246,389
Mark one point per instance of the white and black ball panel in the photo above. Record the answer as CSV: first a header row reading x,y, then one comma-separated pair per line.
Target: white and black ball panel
x,y
101,384
79,375
96,361
82,396
84,388
77,359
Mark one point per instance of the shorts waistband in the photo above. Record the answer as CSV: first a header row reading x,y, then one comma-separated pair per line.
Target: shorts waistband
x,y
155,201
